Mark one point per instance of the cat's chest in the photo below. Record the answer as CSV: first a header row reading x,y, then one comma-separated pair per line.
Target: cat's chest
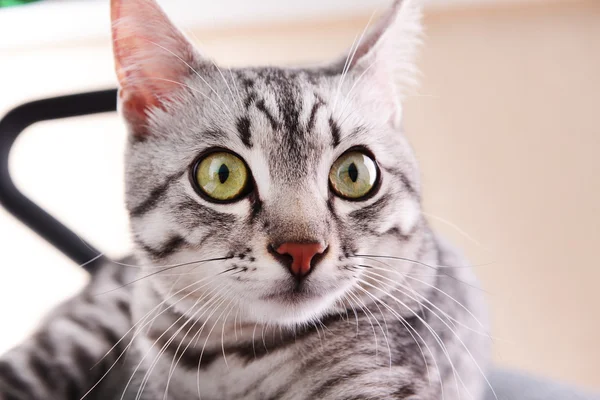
x,y
218,374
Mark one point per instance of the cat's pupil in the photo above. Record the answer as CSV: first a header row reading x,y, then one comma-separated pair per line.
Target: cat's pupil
x,y
353,172
223,173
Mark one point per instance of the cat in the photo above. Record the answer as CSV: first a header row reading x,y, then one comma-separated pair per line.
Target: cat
x,y
280,247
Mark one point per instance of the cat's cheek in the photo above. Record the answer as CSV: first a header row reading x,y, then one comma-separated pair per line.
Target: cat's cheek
x,y
404,217
150,230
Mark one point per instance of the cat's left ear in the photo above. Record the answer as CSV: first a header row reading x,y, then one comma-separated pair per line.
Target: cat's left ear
x,y
384,58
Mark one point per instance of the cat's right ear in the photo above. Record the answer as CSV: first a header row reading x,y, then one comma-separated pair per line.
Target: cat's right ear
x,y
152,59
383,59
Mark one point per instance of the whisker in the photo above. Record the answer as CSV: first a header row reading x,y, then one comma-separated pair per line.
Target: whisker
x,y
354,311
461,305
411,276
206,341
144,318
410,329
236,88
436,267
313,323
387,330
174,362
455,227
223,331
436,336
366,308
235,323
166,344
194,71
262,335
349,60
169,295
447,326
155,78
224,80
422,305
356,299
194,317
348,97
210,303
346,65
163,270
253,341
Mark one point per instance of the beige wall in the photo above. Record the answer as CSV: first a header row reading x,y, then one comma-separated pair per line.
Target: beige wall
x,y
504,124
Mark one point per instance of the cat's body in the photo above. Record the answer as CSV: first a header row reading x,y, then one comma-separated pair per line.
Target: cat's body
x,y
345,356
274,275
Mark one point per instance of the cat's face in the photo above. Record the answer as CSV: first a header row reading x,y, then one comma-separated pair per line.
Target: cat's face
x,y
278,177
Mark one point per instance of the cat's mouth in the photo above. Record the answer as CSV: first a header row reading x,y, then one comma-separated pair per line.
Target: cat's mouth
x,y
297,293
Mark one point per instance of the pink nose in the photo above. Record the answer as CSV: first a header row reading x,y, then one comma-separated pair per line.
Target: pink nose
x,y
302,254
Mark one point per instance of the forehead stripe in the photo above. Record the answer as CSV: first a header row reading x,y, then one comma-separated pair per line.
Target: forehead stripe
x,y
335,132
313,115
260,105
243,128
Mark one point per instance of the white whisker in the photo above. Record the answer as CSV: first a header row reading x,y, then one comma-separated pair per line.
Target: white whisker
x,y
208,305
146,375
410,328
206,341
350,59
194,71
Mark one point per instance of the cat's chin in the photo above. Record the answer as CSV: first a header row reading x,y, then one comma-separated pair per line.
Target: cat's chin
x,y
293,307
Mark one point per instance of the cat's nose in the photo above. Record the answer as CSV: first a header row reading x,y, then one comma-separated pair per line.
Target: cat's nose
x,y
304,256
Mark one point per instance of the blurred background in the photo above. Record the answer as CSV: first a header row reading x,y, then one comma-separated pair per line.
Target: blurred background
x,y
505,125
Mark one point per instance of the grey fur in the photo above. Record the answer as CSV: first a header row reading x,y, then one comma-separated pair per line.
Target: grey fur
x,y
390,312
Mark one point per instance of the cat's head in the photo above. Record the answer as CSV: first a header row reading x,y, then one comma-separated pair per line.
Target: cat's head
x,y
256,188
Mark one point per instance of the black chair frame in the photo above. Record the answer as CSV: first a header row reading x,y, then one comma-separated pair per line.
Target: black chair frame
x,y
23,208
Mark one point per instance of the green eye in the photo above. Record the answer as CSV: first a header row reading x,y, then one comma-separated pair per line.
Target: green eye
x,y
222,176
353,175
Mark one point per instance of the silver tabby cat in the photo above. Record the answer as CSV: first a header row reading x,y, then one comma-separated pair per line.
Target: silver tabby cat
x,y
281,252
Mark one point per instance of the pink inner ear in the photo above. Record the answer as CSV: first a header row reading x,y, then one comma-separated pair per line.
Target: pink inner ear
x,y
151,56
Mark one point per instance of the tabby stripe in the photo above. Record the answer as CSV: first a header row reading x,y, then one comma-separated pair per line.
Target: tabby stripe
x,y
313,115
404,391
12,378
372,211
395,231
123,307
45,343
243,128
155,195
405,181
257,206
172,245
330,356
248,83
246,351
260,105
9,393
43,372
97,330
84,361
335,132
324,388
250,99
191,214
280,392
257,383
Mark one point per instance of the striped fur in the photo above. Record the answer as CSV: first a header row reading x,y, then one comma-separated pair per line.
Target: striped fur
x,y
389,311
